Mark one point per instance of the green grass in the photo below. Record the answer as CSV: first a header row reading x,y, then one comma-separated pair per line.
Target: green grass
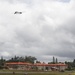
x,y
34,73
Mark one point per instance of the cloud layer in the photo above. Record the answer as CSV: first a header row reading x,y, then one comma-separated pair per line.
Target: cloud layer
x,y
44,29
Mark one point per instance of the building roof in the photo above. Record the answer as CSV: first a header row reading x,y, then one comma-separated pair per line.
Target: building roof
x,y
50,65
36,64
19,63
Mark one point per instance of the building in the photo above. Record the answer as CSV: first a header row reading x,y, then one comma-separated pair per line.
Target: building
x,y
18,65
36,66
49,67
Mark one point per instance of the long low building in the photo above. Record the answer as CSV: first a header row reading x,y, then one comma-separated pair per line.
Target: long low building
x,y
18,65
44,66
36,66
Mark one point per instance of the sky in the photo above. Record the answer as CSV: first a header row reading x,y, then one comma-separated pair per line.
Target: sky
x,y
46,28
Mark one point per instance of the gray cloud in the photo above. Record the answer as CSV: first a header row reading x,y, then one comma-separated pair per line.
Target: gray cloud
x,y
45,29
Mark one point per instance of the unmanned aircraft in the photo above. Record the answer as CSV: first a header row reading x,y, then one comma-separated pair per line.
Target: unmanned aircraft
x,y
17,12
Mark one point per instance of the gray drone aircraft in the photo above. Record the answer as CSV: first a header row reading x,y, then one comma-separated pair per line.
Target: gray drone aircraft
x,y
17,12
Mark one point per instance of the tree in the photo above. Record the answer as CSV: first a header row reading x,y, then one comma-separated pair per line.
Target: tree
x,y
22,59
56,60
2,62
70,65
38,62
13,59
53,60
74,63
30,59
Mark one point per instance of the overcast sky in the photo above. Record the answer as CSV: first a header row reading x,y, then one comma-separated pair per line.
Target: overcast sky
x,y
46,28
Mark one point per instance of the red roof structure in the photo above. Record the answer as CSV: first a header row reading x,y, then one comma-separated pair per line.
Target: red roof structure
x,y
36,64
50,65
18,63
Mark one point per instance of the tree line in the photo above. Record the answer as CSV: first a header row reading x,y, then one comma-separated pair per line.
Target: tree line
x,y
22,59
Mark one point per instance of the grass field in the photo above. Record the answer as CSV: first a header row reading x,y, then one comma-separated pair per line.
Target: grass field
x,y
38,74
35,73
